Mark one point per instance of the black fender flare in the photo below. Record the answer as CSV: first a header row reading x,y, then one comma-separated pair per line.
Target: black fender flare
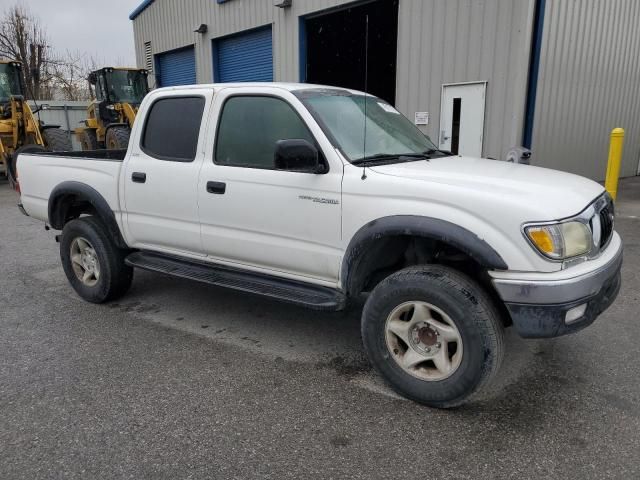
x,y
411,225
80,191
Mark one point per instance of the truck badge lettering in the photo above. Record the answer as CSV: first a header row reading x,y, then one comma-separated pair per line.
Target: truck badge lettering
x,y
329,201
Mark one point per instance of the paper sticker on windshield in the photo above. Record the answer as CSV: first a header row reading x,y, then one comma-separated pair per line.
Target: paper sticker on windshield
x,y
388,108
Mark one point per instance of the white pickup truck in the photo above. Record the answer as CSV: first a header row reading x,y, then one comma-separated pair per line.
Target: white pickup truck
x,y
319,195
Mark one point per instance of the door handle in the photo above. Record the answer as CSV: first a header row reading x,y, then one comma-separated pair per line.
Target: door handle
x,y
216,187
139,177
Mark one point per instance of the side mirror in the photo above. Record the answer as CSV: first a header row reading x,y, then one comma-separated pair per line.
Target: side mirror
x,y
42,106
297,155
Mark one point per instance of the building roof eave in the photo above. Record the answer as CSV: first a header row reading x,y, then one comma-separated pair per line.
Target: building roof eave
x,y
140,8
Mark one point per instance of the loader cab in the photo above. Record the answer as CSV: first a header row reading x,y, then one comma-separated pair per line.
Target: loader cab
x,y
10,86
117,86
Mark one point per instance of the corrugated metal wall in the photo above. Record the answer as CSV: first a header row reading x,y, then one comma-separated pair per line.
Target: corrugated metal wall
x,y
589,83
589,70
456,41
439,42
67,114
169,24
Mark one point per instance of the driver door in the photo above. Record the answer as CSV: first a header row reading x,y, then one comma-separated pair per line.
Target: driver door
x,y
280,222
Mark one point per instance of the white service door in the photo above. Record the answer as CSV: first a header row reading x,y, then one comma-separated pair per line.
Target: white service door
x,y
462,118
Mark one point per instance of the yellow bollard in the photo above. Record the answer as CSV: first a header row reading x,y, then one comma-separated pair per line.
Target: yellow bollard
x,y
615,159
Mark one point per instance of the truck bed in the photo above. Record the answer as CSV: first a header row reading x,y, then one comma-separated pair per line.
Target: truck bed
x,y
39,174
102,154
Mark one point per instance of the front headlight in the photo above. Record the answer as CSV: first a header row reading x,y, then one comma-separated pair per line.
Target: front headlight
x,y
561,240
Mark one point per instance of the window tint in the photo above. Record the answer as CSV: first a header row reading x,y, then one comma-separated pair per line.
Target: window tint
x,y
172,127
250,127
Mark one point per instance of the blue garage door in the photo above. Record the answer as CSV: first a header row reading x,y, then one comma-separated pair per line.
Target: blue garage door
x,y
247,57
177,67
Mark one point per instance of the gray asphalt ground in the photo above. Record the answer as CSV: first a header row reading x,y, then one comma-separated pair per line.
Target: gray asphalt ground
x,y
182,380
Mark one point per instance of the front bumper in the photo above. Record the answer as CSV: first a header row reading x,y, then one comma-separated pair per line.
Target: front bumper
x,y
539,305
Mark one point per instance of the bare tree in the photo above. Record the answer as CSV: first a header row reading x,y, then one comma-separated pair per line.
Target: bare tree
x,y
47,73
69,76
23,39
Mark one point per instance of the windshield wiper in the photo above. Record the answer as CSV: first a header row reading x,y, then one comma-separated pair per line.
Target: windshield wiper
x,y
388,157
431,151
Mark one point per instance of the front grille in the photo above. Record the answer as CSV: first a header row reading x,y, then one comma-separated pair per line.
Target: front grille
x,y
606,222
607,216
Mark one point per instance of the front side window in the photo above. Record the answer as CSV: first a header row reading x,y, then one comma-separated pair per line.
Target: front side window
x,y
172,128
249,128
365,126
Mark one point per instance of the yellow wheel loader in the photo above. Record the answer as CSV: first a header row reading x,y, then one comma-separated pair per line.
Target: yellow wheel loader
x,y
118,94
20,130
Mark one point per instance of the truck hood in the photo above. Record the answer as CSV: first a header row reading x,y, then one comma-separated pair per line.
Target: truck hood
x,y
554,194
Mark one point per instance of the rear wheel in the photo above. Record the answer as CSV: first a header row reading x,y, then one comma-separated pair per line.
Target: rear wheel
x,y
92,262
89,140
56,140
433,334
117,138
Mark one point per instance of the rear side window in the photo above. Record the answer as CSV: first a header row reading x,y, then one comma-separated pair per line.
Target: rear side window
x,y
249,128
172,128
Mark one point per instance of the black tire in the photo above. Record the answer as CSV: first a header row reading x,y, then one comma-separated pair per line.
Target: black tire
x,y
56,140
117,138
89,140
12,172
470,309
115,277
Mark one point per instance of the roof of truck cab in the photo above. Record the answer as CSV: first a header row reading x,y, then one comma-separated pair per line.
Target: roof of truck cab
x,y
291,87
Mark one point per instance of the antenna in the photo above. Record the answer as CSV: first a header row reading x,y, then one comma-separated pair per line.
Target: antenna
x,y
366,87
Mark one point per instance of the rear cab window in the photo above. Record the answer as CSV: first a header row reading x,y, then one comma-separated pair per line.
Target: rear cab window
x,y
172,128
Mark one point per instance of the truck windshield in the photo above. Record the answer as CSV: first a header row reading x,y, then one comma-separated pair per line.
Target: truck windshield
x,y
127,86
9,81
389,134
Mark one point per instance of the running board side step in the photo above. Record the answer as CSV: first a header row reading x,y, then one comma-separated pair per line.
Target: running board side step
x,y
310,296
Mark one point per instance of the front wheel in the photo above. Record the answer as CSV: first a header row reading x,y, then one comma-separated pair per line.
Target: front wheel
x,y
89,140
92,262
117,138
57,140
433,334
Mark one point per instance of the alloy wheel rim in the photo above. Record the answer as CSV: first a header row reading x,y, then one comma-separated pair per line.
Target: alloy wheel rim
x,y
84,261
423,341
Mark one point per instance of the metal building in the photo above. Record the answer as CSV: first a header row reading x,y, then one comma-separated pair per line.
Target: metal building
x,y
478,76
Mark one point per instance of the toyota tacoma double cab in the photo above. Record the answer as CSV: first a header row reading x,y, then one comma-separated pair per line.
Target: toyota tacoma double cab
x,y
319,196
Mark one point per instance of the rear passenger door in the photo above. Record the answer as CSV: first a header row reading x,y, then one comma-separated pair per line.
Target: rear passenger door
x,y
161,175
281,222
